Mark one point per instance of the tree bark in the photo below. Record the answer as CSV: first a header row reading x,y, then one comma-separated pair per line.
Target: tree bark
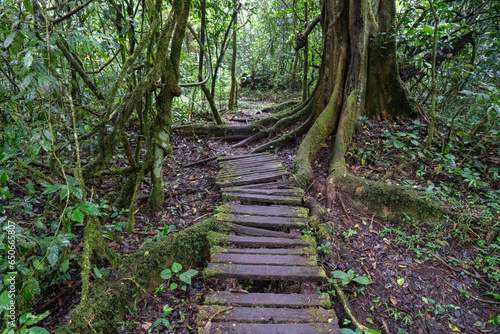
x,y
234,83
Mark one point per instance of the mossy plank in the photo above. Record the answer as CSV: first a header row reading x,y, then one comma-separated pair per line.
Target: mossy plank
x,y
242,156
231,174
265,242
243,328
293,300
266,272
298,192
265,259
261,210
252,179
261,198
273,223
252,231
266,315
296,250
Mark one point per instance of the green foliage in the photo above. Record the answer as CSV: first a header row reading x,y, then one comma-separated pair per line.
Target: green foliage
x,y
350,276
175,271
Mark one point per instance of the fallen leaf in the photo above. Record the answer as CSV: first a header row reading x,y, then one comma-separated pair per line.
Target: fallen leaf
x,y
394,300
453,327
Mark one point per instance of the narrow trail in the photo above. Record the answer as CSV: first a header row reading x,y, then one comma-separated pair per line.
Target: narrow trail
x,y
259,241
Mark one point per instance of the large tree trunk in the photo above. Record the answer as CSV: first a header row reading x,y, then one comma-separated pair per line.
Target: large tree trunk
x,y
358,77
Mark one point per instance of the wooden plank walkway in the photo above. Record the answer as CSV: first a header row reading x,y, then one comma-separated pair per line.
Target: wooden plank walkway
x,y
257,240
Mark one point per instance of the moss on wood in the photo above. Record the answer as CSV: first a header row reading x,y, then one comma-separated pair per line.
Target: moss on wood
x,y
138,273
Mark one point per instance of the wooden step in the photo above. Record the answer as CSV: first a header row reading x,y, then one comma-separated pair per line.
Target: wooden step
x,y
273,223
251,179
253,231
242,156
265,314
262,160
264,259
262,210
249,242
261,198
249,164
242,328
257,272
232,174
276,251
296,192
268,299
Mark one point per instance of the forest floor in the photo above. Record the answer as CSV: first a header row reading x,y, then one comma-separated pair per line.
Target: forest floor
x,y
426,278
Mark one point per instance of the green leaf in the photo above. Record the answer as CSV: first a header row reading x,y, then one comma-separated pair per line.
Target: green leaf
x,y
4,178
4,301
339,274
176,267
362,280
371,331
185,278
77,216
38,330
191,272
9,39
53,255
97,272
76,191
52,189
89,208
346,331
398,144
28,60
64,193
350,274
173,286
64,265
166,274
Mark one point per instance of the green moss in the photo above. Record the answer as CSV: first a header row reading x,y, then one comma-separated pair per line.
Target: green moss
x,y
319,316
301,212
217,250
390,201
107,300
206,312
215,238
322,232
325,301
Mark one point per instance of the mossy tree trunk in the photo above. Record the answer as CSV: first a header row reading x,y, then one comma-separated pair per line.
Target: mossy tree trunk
x,y
233,98
358,77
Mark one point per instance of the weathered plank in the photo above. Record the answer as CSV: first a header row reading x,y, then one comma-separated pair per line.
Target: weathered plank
x,y
266,315
255,178
242,328
252,174
266,250
268,299
232,174
264,259
268,272
274,192
242,156
265,242
250,163
261,198
274,223
242,161
271,210
253,231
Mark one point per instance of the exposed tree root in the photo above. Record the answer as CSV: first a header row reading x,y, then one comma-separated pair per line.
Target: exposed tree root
x,y
108,299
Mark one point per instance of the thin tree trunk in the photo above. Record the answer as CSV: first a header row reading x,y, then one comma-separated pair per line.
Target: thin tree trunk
x,y
432,111
305,86
232,94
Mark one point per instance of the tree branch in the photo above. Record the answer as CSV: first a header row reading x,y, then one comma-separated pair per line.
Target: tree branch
x,y
302,38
